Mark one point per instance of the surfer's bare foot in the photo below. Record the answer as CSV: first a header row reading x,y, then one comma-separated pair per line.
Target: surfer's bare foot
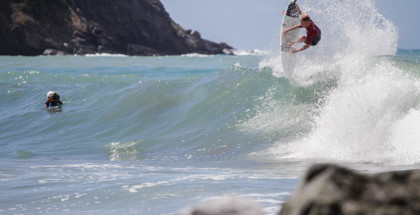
x,y
290,44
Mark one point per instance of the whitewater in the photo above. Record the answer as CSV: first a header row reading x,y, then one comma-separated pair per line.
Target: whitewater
x,y
153,135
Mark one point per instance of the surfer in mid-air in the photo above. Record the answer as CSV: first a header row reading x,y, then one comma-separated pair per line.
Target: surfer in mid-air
x,y
313,33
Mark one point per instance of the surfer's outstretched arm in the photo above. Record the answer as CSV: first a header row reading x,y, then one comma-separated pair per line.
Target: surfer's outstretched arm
x,y
291,29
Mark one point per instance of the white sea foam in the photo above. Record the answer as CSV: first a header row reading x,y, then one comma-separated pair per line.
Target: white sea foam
x,y
250,52
405,138
196,55
357,122
105,55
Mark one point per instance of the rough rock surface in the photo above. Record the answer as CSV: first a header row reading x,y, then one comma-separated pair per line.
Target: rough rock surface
x,y
333,190
132,27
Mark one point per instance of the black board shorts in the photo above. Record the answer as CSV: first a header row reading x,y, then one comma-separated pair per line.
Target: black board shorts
x,y
317,38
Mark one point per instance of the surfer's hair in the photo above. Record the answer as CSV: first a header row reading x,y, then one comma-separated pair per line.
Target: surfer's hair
x,y
306,18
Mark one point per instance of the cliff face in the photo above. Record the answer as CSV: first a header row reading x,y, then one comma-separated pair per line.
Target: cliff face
x,y
132,27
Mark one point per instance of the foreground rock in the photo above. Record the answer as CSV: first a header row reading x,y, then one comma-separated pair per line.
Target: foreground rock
x,y
131,27
227,205
333,190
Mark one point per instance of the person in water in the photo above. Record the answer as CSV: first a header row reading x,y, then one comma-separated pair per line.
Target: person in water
x,y
313,33
53,99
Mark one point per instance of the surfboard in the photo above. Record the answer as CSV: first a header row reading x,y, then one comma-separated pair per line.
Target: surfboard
x,y
54,108
290,19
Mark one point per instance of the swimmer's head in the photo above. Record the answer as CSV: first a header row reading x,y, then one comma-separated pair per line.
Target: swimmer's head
x,y
50,94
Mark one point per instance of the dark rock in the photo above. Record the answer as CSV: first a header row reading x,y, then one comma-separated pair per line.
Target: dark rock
x,y
333,190
132,27
193,33
137,48
97,31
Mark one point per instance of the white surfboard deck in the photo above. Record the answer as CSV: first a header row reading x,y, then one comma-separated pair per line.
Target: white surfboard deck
x,y
290,19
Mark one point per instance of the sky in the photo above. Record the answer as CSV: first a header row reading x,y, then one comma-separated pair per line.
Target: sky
x,y
256,24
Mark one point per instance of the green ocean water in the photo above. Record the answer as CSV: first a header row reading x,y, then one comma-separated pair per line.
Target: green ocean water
x,y
151,135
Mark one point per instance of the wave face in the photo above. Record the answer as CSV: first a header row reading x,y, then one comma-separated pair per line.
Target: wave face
x,y
361,108
125,108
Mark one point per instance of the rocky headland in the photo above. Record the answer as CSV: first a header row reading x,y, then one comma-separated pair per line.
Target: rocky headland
x,y
130,27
